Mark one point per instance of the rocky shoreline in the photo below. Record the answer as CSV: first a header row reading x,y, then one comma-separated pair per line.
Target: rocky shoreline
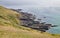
x,y
28,20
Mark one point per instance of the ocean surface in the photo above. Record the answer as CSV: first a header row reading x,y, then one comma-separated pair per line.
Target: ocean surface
x,y
52,15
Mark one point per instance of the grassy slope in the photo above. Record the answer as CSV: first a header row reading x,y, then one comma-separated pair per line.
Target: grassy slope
x,y
8,17
9,24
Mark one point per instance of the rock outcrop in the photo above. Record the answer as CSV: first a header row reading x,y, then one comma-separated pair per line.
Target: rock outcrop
x,y
28,20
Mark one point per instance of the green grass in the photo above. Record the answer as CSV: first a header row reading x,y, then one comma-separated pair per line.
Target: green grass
x,y
8,17
10,27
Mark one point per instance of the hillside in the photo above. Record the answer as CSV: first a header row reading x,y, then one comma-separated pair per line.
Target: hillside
x,y
10,27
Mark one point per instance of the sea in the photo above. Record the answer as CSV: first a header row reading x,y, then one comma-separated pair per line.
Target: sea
x,y
52,15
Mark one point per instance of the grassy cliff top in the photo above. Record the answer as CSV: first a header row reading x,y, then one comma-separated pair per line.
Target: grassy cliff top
x,y
10,27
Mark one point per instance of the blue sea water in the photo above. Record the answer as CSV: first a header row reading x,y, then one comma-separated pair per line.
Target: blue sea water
x,y
52,15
